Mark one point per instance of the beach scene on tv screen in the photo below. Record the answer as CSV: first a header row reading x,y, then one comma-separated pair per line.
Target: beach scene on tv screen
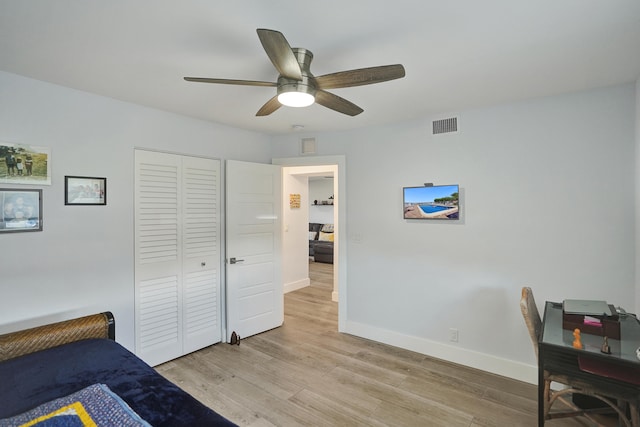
x,y
437,202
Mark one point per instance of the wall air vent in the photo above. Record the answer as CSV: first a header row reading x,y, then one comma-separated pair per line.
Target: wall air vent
x,y
445,125
308,146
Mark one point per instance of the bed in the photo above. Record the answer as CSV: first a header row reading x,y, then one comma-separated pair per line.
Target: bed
x,y
78,366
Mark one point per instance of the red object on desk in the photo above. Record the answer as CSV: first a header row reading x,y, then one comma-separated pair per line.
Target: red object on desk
x,y
609,370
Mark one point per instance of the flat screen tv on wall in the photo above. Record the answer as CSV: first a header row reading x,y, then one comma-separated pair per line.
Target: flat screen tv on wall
x,y
438,202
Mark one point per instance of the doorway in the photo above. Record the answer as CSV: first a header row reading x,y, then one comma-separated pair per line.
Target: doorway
x,y
323,165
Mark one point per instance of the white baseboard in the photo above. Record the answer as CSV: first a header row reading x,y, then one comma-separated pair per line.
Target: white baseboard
x,y
294,286
485,362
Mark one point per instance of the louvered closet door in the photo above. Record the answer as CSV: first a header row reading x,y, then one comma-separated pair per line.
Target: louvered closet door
x,y
177,257
201,252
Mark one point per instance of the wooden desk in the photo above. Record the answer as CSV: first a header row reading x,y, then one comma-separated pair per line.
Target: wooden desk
x,y
557,355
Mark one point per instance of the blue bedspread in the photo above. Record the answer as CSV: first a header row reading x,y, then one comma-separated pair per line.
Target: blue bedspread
x,y
28,381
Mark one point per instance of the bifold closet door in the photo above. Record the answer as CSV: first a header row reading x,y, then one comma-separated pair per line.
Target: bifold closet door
x,y
177,255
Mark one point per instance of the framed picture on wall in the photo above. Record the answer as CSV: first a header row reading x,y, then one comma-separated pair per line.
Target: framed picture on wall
x,y
25,164
21,210
84,190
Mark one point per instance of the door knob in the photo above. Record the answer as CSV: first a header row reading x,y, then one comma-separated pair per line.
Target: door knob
x,y
203,263
234,261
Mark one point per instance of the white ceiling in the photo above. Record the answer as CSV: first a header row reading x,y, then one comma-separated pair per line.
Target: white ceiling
x,y
457,54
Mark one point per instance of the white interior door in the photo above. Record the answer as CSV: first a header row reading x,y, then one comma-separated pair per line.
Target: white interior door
x,y
158,254
201,256
255,300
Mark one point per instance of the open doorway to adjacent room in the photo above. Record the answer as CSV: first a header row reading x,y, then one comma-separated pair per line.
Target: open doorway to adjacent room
x,y
297,173
322,226
310,225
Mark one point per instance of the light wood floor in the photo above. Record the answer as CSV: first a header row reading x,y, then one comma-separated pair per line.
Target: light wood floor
x,y
307,374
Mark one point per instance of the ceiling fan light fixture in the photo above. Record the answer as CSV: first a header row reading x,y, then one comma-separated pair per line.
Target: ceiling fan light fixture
x,y
297,87
296,99
296,93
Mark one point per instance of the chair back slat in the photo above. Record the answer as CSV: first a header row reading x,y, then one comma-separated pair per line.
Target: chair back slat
x,y
531,316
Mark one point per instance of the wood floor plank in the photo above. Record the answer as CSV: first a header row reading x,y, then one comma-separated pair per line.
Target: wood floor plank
x,y
360,367
397,397
305,373
333,412
266,405
392,415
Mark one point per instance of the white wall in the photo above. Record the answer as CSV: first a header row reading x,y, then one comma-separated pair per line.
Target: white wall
x,y
83,260
547,194
295,242
320,190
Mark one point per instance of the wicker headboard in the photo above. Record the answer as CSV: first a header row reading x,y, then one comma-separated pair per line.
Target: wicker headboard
x,y
14,344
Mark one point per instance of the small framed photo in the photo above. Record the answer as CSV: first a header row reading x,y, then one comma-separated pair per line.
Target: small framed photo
x,y
84,190
21,210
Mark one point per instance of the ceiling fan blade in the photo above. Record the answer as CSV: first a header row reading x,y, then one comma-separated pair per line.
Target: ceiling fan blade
x,y
337,103
280,53
230,82
269,107
361,76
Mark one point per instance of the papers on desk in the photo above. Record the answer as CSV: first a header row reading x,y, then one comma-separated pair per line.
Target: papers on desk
x,y
586,307
592,321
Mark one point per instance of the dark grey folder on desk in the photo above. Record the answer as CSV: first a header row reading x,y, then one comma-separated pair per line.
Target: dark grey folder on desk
x,y
586,307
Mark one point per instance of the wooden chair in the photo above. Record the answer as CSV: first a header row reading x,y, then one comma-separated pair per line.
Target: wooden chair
x,y
617,404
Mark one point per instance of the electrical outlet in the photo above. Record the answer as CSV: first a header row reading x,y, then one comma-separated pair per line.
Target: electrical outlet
x,y
453,335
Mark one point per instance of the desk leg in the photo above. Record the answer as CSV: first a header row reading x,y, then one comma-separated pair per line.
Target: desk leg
x,y
541,393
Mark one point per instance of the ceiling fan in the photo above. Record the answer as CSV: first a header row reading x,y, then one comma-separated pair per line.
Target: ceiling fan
x,y
297,87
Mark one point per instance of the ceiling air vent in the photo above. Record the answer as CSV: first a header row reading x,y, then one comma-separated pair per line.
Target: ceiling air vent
x,y
445,125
